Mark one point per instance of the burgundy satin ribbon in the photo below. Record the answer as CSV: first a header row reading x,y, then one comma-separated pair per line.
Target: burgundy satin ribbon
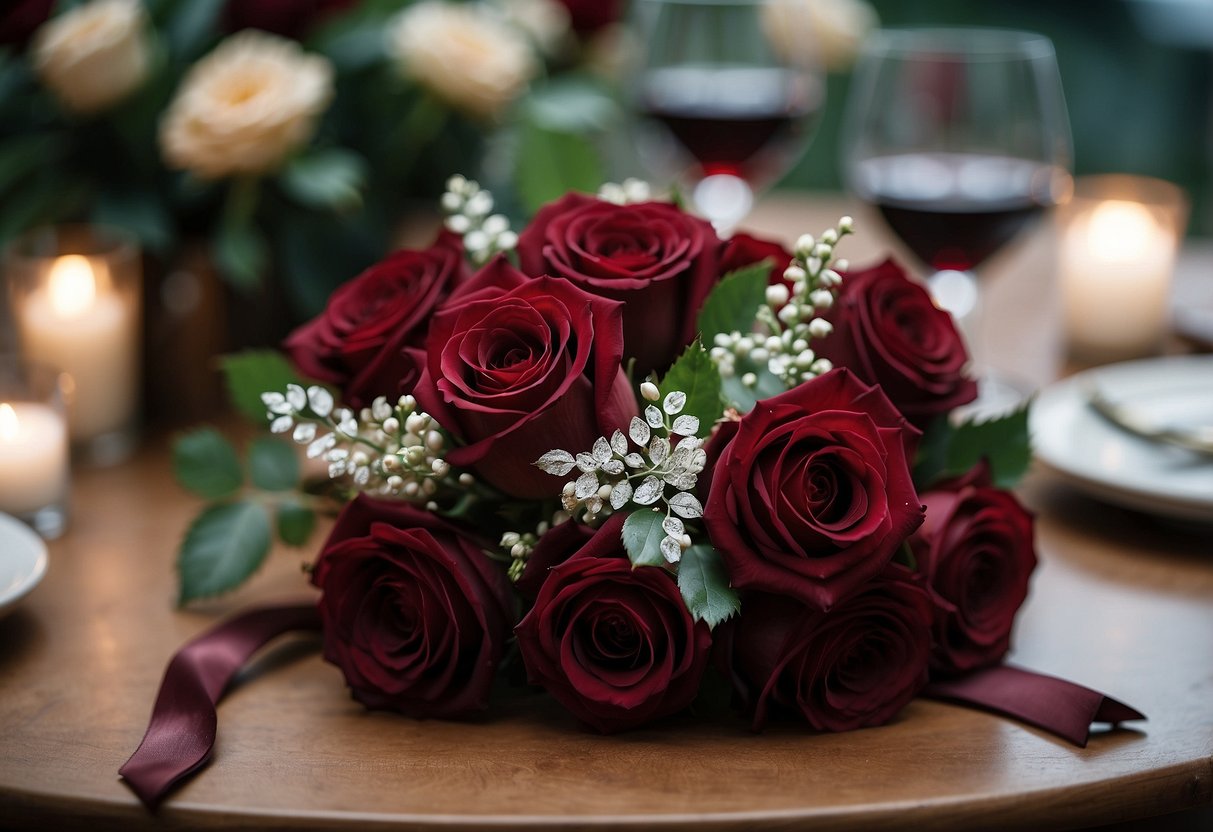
x,y
181,733
179,739
1054,705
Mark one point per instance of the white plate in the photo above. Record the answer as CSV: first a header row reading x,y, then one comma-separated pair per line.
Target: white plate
x,y
1074,440
22,562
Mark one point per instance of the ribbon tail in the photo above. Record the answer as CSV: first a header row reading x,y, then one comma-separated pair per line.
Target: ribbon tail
x,y
181,732
1051,704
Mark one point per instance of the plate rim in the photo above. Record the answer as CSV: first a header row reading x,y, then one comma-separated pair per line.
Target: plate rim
x,y
1142,499
10,598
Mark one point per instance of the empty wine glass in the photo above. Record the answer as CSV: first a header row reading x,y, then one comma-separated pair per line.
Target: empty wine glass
x,y
728,92
959,138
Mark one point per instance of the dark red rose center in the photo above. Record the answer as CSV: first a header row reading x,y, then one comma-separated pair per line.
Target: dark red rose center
x,y
615,640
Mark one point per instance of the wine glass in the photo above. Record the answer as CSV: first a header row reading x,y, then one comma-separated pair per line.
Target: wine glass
x,y
727,91
960,140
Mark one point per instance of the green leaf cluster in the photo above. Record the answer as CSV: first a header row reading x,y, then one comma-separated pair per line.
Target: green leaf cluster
x,y
695,374
948,450
230,538
250,373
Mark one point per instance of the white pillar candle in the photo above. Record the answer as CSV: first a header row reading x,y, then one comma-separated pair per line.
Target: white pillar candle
x,y
1117,255
78,324
33,457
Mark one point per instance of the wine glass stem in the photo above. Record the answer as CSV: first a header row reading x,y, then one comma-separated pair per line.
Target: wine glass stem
x,y
724,199
957,292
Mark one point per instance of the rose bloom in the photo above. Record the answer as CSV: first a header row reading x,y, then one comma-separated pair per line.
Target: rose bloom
x,y
657,259
615,645
463,53
244,107
811,493
588,16
358,341
852,667
94,55
745,250
414,613
888,332
976,551
290,18
515,367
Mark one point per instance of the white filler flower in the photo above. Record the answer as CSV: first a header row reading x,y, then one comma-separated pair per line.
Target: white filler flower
x,y
465,54
245,106
94,55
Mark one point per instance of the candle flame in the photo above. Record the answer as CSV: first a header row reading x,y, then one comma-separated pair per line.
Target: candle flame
x,y
8,422
72,285
1121,231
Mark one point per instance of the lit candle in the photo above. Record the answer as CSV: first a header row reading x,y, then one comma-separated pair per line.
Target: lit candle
x,y
1118,252
76,320
33,458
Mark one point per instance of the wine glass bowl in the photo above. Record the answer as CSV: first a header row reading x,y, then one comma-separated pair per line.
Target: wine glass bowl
x,y
959,139
727,93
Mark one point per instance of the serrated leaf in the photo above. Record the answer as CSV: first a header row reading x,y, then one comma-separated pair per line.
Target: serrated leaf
x,y
295,524
331,179
704,583
642,536
948,451
734,301
222,548
695,375
743,398
249,374
273,465
205,463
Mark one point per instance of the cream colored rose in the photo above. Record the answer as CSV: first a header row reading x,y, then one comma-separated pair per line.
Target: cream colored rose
x,y
465,54
94,55
245,106
830,29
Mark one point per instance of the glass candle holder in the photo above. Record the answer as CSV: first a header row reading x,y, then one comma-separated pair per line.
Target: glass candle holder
x,y
75,297
1119,239
33,446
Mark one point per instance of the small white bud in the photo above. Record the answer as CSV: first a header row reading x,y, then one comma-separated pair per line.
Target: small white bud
x,y
794,273
777,295
518,550
431,506
542,528
649,391
434,440
846,225
790,314
717,354
749,379
428,487
829,277
569,488
407,403
721,339
416,423
743,346
458,223
411,488
466,479
821,298
391,463
822,366
507,241
759,355
773,344
391,425
395,483
842,265
684,542
604,492
359,458
476,241
799,345
804,244
820,327
829,236
440,467
495,224
479,204
805,360
451,202
457,183
822,251
509,539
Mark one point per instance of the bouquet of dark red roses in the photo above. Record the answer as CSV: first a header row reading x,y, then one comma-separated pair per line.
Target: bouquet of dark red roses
x,y
645,454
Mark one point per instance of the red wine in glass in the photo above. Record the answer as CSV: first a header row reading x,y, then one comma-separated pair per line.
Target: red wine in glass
x,y
746,122
955,210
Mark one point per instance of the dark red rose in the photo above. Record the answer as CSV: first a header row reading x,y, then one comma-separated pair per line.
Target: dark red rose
x,y
659,260
811,493
414,613
744,250
588,16
518,367
290,18
614,645
888,332
852,667
976,551
20,18
357,343
559,544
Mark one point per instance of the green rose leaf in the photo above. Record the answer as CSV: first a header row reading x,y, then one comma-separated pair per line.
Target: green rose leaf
x,y
273,465
553,162
642,534
734,301
253,372
948,450
295,523
704,583
222,548
331,179
206,464
695,374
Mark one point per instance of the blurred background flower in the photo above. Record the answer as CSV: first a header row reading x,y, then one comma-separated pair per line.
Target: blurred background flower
x,y
94,55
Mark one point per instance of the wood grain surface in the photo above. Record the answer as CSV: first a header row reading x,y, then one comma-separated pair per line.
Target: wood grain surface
x,y
1120,603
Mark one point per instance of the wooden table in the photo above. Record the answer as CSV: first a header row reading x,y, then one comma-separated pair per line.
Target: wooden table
x,y
1119,603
